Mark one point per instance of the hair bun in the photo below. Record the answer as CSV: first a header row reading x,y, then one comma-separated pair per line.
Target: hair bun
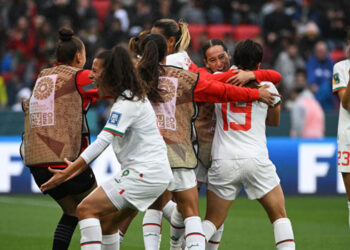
x,y
65,34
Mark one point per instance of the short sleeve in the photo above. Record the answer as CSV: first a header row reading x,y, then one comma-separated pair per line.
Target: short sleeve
x,y
340,77
122,116
272,88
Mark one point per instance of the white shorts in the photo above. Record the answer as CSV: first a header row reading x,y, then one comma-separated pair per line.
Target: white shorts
x,y
138,193
184,179
201,174
226,177
343,158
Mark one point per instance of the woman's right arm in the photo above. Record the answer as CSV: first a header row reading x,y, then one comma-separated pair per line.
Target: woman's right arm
x,y
80,164
210,90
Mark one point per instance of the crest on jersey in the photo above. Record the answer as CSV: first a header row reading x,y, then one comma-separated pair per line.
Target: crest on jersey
x,y
336,79
114,118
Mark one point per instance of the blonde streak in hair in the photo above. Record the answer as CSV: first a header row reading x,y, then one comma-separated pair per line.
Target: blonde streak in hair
x,y
185,38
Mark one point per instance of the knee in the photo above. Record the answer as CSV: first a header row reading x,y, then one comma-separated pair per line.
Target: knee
x,y
82,211
281,213
71,211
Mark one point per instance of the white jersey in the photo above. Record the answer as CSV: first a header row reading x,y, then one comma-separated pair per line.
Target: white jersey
x,y
179,59
137,142
340,81
240,129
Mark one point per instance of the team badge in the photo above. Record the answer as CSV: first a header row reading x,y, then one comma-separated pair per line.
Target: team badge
x,y
114,118
126,172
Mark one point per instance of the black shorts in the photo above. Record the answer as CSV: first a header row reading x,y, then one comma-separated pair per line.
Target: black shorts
x,y
77,185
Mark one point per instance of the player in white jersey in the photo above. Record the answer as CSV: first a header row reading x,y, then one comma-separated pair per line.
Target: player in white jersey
x,y
177,37
240,157
341,86
133,131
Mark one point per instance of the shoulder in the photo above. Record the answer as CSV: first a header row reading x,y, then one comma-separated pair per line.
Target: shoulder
x,y
82,77
271,87
342,64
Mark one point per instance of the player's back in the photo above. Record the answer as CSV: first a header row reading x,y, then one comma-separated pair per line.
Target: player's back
x,y
240,129
141,142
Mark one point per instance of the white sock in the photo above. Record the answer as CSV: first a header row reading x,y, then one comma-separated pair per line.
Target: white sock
x,y
110,242
209,229
349,211
168,210
214,242
177,230
151,226
283,234
195,238
121,237
91,234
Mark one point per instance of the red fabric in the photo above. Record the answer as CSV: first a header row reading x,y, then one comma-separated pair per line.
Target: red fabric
x,y
260,74
83,79
267,75
210,90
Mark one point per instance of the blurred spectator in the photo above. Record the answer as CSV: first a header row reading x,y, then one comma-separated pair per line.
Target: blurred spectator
x,y
143,16
85,14
287,63
277,23
242,14
60,12
307,116
15,10
214,15
92,40
319,75
114,34
192,13
22,95
44,42
334,27
117,12
309,37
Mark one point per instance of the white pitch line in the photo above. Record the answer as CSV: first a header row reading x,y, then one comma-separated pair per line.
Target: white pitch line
x,y
27,201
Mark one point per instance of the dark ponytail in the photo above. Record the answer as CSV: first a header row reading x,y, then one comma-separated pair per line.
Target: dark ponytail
x,y
152,48
68,45
119,75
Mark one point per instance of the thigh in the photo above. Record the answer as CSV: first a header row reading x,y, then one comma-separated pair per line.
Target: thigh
x,y
42,175
96,205
274,204
346,179
217,208
187,202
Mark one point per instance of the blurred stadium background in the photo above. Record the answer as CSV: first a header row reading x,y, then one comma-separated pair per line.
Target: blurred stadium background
x,y
315,195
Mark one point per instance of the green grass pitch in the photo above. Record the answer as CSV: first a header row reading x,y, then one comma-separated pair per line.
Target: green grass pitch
x,y
28,222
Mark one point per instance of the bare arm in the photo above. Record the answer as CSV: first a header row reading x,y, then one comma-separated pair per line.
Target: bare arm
x,y
273,116
60,176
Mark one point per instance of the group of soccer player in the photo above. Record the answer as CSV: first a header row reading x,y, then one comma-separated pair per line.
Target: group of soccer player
x,y
173,127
